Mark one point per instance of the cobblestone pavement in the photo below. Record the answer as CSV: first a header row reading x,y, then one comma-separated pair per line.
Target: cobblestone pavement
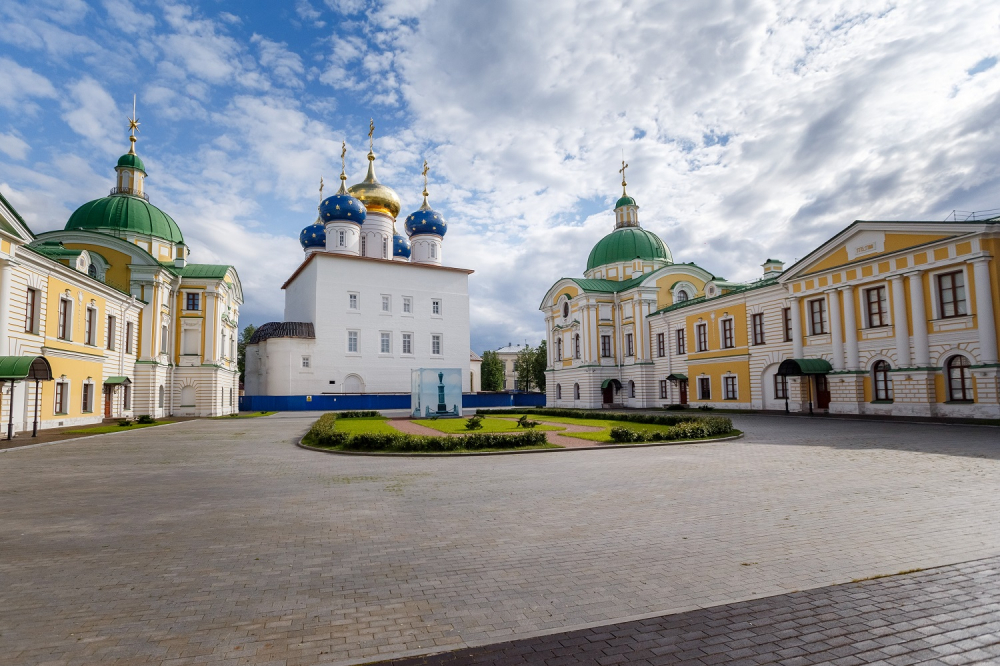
x,y
222,542
947,615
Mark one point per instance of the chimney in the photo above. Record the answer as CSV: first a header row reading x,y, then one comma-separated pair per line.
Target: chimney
x,y
773,267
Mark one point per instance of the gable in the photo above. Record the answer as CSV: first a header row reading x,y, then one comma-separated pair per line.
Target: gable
x,y
862,244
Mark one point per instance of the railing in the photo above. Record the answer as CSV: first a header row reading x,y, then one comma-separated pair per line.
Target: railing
x,y
129,191
972,215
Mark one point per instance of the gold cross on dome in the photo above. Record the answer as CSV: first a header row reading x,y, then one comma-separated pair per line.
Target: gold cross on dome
x,y
321,188
371,133
622,171
424,173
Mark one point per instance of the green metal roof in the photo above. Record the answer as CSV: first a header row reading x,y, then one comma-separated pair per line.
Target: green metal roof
x,y
626,201
25,367
628,243
119,213
114,381
605,383
804,366
677,377
213,271
56,250
3,223
131,160
608,286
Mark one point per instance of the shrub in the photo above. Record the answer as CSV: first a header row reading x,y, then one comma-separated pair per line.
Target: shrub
x,y
705,407
654,419
145,419
358,414
711,426
674,406
621,434
474,423
523,422
124,423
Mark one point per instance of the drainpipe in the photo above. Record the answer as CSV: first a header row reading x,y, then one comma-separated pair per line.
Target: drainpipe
x,y
620,339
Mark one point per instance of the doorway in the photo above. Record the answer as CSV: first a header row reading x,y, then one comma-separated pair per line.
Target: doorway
x,y
682,386
822,392
109,392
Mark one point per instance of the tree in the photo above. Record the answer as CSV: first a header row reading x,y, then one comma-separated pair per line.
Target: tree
x,y
524,368
541,362
241,349
491,371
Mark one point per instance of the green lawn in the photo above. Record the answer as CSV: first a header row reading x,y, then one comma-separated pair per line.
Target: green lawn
x,y
104,429
490,424
605,425
245,415
376,424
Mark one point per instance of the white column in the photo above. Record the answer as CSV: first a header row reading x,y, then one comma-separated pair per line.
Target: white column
x,y
899,321
796,327
921,346
836,334
5,296
850,329
985,317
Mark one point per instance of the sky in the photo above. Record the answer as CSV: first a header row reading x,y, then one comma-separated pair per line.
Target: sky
x,y
753,129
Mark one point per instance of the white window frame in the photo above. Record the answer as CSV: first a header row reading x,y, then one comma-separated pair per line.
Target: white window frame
x,y
353,301
386,304
307,362
90,326
129,331
700,326
722,333
436,307
111,332
825,319
354,336
434,251
407,305
65,401
87,394
406,340
385,343
700,383
439,339
67,330
936,294
341,238
725,387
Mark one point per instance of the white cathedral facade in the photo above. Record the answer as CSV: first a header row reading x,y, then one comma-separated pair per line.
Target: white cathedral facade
x,y
367,305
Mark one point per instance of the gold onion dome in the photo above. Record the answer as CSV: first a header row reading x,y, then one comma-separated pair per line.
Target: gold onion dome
x,y
374,195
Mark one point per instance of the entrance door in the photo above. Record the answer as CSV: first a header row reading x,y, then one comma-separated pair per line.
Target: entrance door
x,y
822,392
683,387
609,394
108,394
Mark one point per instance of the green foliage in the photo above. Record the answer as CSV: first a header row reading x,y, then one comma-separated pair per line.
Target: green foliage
x,y
655,419
711,426
491,371
674,406
524,368
124,423
523,422
474,423
705,408
539,365
358,414
145,419
241,348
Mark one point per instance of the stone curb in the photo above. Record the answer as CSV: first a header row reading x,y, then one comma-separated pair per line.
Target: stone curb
x,y
606,447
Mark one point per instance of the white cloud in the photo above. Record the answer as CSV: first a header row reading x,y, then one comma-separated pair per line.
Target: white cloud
x,y
21,85
14,146
285,66
91,112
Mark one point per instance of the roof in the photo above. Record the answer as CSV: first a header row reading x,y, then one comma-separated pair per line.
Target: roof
x,y
131,160
628,243
214,271
3,223
626,201
473,356
283,329
25,367
511,349
56,250
114,381
121,213
767,281
348,257
609,286
804,366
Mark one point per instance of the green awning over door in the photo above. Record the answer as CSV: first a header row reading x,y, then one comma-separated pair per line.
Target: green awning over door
x,y
35,368
796,367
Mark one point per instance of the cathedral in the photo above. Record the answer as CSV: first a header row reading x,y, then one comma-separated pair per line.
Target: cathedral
x,y
107,318
891,318
367,305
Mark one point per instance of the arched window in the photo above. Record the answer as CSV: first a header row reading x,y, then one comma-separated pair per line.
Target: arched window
x,y
681,296
959,379
559,349
558,391
883,382
162,396
92,271
565,309
631,389
434,251
576,346
364,244
342,237
576,391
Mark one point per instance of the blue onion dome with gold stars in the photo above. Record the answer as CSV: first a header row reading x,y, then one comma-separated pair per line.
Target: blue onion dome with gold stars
x,y
313,236
343,207
426,221
400,246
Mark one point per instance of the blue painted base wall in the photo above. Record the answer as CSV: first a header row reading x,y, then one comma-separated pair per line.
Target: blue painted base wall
x,y
340,402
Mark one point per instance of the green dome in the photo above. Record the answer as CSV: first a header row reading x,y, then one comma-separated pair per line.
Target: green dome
x,y
119,214
131,160
626,244
626,201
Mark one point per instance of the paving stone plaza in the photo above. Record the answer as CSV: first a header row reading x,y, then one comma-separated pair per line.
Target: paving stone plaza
x,y
220,541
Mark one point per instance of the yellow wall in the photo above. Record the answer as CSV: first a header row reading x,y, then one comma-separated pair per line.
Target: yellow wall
x,y
665,297
56,288
76,372
715,371
736,310
118,273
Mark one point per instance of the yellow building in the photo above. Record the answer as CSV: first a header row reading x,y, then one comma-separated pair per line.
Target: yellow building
x,y
884,318
111,305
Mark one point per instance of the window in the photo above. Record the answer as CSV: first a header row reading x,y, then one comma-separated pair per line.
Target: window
x,y
780,387
352,301
435,345
90,327
341,238
364,245
661,347
817,316
385,248
112,331
62,391
606,346
385,343
701,333
558,391
882,380
31,312
407,343
704,388
875,301
436,306
576,346
565,309
434,251
92,271
757,321
576,391
951,294
127,396
88,398
729,387
163,339
161,400
727,334
681,342
306,361
631,389
352,342
559,349
128,337
386,304
65,309
193,302
959,379
407,305
628,344
681,296
786,321
663,389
